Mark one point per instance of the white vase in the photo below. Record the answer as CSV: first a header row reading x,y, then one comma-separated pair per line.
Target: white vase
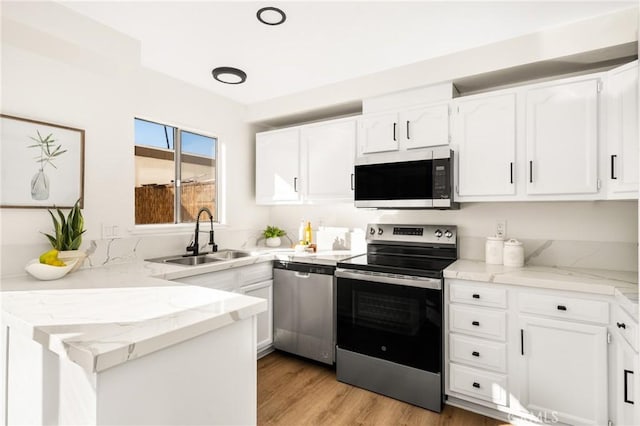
x,y
273,242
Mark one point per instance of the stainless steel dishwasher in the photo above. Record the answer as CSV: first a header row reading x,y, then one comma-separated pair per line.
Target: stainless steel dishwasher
x,y
304,310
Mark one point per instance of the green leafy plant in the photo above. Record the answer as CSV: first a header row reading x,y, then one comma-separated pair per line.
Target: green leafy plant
x,y
48,150
68,230
273,232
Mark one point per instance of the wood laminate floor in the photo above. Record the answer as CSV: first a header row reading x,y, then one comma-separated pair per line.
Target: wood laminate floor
x,y
293,391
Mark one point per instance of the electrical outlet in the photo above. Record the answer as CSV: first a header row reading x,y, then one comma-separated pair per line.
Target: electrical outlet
x,y
110,231
501,228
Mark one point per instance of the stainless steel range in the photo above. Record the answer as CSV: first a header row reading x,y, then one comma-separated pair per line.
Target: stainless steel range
x,y
389,312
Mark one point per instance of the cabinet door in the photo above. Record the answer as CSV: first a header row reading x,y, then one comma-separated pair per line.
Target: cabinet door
x,y
263,290
626,398
378,133
328,153
563,370
622,91
485,133
424,127
562,138
277,167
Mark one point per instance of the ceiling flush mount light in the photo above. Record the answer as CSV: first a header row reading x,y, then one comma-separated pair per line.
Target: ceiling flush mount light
x,y
229,75
271,16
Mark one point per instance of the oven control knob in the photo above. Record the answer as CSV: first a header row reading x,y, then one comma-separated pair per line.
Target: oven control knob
x,y
438,233
380,231
448,234
372,231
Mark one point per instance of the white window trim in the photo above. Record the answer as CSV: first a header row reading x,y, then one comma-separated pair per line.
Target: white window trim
x,y
171,228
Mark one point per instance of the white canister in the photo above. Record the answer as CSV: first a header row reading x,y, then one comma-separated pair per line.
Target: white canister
x,y
493,250
513,253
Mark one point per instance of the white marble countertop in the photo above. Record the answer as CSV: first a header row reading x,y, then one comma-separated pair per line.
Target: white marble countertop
x,y
598,281
104,316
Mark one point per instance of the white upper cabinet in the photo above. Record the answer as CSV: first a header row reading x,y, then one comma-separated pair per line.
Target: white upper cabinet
x,y
622,131
424,127
378,133
328,154
311,163
407,129
562,137
277,167
484,137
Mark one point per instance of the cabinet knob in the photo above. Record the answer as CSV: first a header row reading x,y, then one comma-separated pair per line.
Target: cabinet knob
x,y
621,325
476,323
476,296
476,385
475,353
562,308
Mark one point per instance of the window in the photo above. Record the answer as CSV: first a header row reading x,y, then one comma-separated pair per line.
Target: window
x,y
175,174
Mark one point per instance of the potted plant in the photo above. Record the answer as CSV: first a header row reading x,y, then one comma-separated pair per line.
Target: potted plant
x,y
272,236
67,236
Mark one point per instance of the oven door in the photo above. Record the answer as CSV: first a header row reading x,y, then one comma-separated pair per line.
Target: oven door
x,y
398,319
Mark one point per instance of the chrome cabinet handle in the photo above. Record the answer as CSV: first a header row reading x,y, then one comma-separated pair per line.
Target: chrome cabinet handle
x,y
352,182
295,184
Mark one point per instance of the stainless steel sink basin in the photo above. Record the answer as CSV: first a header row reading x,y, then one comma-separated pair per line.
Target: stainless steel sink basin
x,y
192,260
201,259
229,254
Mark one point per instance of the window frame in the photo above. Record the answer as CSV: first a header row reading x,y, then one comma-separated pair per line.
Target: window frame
x,y
177,224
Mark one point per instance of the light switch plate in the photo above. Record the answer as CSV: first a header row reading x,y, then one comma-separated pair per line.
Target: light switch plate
x,y
501,228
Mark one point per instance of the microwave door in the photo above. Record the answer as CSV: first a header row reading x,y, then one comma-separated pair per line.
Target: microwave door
x,y
407,184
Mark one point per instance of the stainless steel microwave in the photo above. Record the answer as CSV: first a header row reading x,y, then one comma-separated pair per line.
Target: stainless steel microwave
x,y
405,180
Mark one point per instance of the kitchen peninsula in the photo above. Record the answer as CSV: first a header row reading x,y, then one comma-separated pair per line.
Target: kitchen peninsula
x,y
117,345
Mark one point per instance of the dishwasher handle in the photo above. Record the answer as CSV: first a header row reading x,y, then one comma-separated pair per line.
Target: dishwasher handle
x,y
302,274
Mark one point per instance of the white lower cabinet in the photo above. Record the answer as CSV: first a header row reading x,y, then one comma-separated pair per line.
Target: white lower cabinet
x,y
535,355
253,280
625,370
475,347
563,370
263,290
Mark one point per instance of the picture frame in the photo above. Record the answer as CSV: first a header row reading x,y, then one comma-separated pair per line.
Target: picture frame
x,y
41,164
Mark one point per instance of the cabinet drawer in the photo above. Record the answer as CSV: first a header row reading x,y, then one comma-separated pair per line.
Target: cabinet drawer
x,y
479,384
256,273
477,321
480,295
478,353
626,327
564,307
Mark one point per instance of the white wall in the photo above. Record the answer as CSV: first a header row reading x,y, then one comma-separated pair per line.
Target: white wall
x,y
62,68
597,234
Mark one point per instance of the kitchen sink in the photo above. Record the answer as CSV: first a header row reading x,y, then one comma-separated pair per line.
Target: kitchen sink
x,y
192,260
229,254
202,259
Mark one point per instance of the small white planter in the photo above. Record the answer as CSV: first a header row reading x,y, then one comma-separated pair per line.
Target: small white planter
x,y
273,242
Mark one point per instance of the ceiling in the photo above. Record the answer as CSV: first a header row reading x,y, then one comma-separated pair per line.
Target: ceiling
x,y
320,42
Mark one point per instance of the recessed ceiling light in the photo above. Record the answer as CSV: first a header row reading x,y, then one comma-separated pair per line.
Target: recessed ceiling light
x,y
229,75
271,16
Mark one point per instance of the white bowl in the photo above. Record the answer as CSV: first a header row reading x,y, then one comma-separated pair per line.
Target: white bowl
x,y
45,272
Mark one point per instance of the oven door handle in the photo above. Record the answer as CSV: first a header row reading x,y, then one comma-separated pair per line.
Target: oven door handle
x,y
421,282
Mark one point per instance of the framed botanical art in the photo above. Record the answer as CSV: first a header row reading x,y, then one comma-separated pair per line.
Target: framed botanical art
x,y
41,164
